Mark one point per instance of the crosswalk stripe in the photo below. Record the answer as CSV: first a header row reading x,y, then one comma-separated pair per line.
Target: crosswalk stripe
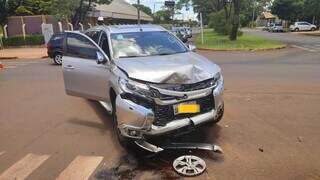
x,y
2,152
23,168
80,168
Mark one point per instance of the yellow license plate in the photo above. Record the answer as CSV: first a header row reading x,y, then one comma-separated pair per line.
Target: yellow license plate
x,y
188,108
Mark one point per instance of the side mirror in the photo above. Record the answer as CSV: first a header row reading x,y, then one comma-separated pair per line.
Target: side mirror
x,y
100,58
192,47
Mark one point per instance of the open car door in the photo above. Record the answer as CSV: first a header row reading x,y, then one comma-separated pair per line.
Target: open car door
x,y
85,68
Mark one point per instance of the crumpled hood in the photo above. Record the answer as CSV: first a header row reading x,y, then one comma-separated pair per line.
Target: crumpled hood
x,y
182,68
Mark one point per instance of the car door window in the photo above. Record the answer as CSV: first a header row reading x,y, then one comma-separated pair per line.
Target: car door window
x,y
79,46
94,35
104,44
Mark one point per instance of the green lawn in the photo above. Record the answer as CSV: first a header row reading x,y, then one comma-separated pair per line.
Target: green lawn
x,y
245,42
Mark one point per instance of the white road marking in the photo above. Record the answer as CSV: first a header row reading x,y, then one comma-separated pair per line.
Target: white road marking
x,y
2,152
23,168
80,168
9,67
304,48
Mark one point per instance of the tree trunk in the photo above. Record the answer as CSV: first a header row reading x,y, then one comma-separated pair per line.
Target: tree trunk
x,y
76,17
235,21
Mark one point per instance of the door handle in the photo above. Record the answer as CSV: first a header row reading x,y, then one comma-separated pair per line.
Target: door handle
x,y
69,67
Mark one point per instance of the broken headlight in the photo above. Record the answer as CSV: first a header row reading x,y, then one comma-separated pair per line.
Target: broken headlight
x,y
134,87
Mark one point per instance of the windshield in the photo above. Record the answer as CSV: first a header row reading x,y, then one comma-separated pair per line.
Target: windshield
x,y
136,44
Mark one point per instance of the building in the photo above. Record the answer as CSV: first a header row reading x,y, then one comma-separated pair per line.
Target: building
x,y
266,18
117,12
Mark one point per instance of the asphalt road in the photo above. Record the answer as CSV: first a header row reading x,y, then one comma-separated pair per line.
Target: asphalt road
x,y
270,129
296,40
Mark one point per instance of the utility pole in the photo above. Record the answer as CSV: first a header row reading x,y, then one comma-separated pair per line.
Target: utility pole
x,y
201,27
138,8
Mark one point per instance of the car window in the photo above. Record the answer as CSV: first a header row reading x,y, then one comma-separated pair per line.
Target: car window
x,y
57,38
79,46
94,35
135,44
104,44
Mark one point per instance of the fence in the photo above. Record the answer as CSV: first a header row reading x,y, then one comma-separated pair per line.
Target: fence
x,y
31,25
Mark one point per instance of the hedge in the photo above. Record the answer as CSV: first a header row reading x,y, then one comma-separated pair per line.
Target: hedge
x,y
21,41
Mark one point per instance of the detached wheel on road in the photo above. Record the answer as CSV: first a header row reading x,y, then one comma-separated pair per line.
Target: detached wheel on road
x,y
296,29
57,58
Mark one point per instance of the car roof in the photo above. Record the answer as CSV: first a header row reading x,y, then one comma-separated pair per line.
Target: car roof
x,y
128,28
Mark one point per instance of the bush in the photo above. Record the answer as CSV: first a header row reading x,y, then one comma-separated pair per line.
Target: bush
x,y
20,41
218,22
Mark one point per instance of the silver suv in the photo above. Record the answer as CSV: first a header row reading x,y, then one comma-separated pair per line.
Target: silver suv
x,y
151,82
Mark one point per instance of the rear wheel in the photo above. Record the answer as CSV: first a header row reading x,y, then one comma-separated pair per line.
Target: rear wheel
x,y
313,29
57,58
296,29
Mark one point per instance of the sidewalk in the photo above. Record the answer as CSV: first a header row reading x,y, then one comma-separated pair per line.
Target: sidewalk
x,y
23,53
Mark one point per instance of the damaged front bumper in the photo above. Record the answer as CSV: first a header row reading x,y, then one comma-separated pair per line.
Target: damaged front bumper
x,y
137,121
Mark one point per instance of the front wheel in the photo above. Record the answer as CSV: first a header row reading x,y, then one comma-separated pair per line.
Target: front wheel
x,y
313,29
296,29
219,117
57,58
124,142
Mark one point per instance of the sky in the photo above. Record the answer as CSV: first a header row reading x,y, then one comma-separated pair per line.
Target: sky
x,y
157,4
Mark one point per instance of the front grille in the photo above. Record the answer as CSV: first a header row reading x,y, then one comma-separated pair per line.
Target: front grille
x,y
165,113
188,87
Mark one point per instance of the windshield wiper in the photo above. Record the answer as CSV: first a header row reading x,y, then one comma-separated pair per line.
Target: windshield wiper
x,y
163,54
132,56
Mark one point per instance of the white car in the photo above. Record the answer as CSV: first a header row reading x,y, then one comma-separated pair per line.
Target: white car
x,y
303,26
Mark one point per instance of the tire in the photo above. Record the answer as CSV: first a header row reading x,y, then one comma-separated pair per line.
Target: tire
x,y
219,118
57,58
124,142
296,29
313,29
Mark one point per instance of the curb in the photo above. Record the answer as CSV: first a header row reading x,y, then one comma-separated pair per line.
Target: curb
x,y
13,57
259,49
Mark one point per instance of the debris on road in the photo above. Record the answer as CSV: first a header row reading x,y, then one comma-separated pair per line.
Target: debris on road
x,y
299,139
261,149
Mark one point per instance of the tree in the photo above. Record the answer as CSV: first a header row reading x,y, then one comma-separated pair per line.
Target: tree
x,y
3,12
206,7
290,10
235,20
311,10
162,16
143,8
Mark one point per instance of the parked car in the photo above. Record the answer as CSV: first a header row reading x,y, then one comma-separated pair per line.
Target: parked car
x,y
302,26
151,82
54,48
276,27
184,30
181,35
